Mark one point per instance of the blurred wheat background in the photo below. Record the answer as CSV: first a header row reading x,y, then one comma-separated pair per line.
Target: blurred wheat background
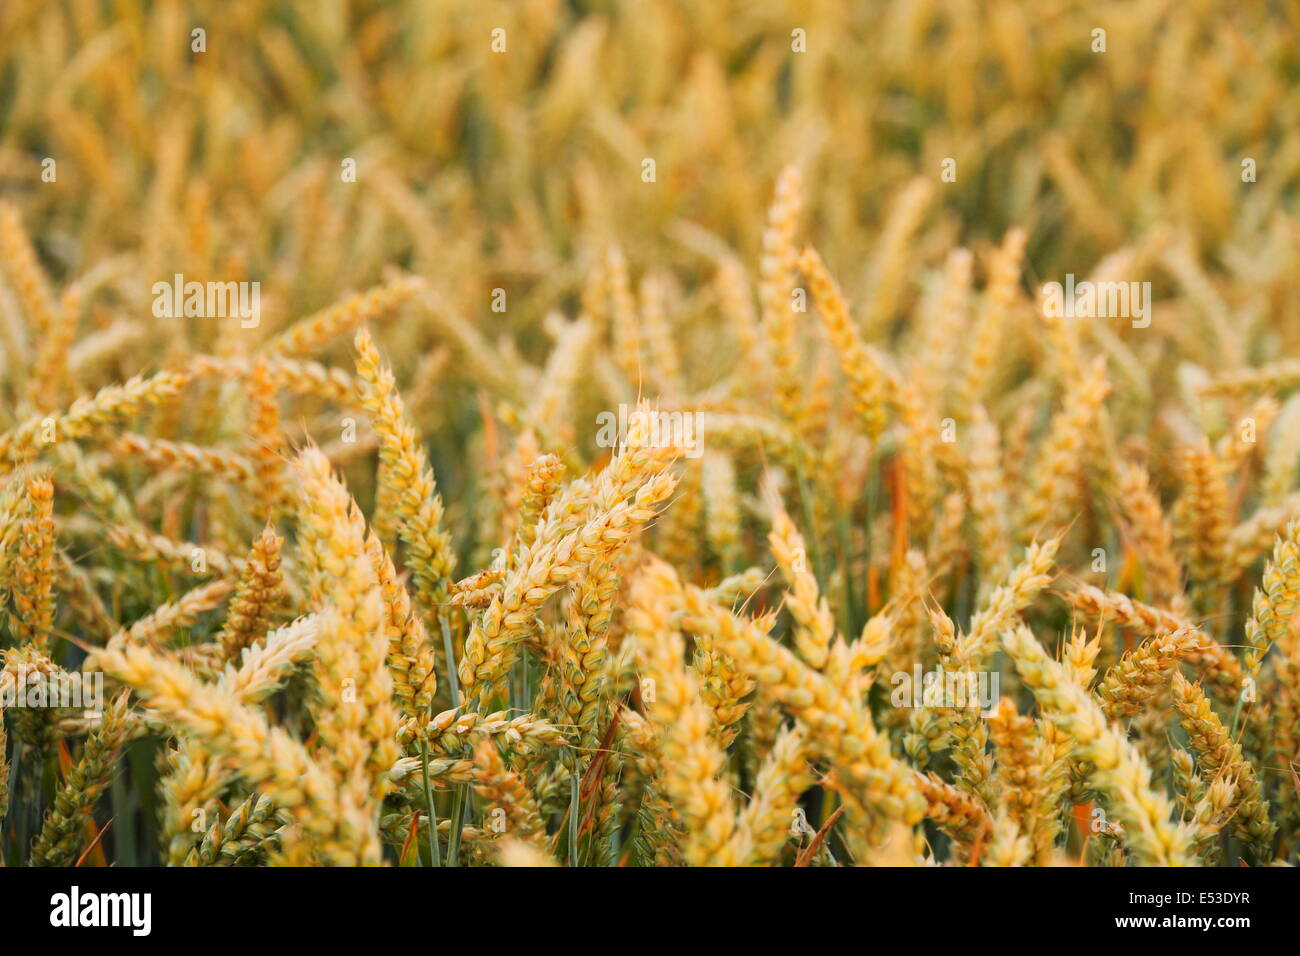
x,y
367,563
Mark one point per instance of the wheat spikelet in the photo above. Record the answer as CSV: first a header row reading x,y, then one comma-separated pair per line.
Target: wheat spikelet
x,y
846,733
20,262
816,626
890,260
998,295
259,593
692,762
406,469
988,498
314,331
33,588
580,526
1023,584
624,318
111,404
665,368
1117,769
355,719
49,386
248,833
764,824
1203,520
268,757
1276,602
503,791
776,286
265,438
955,811
410,656
868,379
1060,464
1219,754
61,837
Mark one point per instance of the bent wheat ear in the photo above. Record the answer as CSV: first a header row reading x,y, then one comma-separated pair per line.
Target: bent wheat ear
x,y
503,790
868,378
1220,755
410,656
265,663
878,784
958,813
111,404
1023,585
763,827
1276,602
61,837
692,763
260,592
1116,767
183,612
267,756
310,333
1061,462
815,624
586,523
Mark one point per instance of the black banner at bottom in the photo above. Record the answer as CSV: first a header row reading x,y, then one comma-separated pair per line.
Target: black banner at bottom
x,y
136,907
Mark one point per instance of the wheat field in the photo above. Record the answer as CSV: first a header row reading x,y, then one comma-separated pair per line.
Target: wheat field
x,y
611,433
